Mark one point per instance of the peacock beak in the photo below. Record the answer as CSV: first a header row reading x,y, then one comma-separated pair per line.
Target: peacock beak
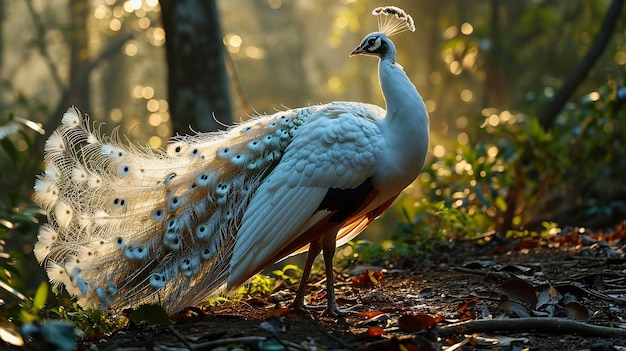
x,y
358,51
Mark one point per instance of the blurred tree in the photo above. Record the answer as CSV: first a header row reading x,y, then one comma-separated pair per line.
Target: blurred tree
x,y
197,80
79,55
576,77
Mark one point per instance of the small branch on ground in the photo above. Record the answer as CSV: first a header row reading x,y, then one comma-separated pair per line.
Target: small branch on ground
x,y
547,325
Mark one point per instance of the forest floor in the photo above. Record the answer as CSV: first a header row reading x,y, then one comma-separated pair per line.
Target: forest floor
x,y
564,293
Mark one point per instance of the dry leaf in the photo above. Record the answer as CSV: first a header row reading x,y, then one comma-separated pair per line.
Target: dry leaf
x,y
577,311
519,290
410,323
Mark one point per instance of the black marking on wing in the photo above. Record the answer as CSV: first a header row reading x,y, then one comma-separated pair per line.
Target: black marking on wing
x,y
346,201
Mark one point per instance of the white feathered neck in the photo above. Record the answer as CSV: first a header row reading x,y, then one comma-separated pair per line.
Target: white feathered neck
x,y
405,127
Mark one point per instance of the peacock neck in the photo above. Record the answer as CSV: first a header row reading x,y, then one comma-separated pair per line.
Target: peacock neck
x,y
405,107
406,126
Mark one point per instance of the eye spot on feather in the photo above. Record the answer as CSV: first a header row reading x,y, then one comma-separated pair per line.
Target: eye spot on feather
x,y
171,240
224,152
119,243
205,179
222,188
123,171
252,165
139,252
195,152
169,178
157,214
208,252
121,203
175,202
157,280
202,231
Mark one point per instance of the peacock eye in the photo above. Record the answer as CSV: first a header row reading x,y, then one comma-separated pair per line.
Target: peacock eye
x,y
371,41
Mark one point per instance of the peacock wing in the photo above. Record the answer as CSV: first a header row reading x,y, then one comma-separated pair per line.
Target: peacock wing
x,y
323,177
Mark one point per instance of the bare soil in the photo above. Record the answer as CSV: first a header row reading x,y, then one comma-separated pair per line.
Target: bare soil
x,y
576,278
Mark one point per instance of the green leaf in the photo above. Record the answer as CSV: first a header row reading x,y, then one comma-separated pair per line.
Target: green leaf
x,y
27,317
41,295
501,204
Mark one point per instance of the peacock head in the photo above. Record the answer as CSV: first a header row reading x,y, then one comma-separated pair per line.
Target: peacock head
x,y
391,20
375,44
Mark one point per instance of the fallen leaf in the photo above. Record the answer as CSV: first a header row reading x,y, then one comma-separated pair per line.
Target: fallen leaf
x,y
368,278
278,312
519,290
410,323
513,308
577,311
618,234
467,309
375,331
549,296
256,301
469,304
527,244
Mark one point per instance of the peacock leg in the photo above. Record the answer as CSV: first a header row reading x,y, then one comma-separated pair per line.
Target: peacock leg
x,y
298,303
329,245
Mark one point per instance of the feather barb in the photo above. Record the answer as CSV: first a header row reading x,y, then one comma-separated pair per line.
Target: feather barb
x,y
393,20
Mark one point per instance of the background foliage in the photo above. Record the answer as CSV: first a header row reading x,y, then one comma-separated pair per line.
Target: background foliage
x,y
486,70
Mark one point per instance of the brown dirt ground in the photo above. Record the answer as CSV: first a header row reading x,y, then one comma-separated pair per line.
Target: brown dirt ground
x,y
465,282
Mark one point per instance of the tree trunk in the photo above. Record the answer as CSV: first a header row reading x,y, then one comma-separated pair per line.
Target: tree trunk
x,y
580,72
495,87
79,55
197,79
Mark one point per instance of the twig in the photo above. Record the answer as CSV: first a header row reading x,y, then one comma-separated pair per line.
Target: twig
x,y
328,334
547,325
483,273
180,337
460,344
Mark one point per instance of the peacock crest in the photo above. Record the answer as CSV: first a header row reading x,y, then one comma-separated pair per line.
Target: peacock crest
x,y
393,20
